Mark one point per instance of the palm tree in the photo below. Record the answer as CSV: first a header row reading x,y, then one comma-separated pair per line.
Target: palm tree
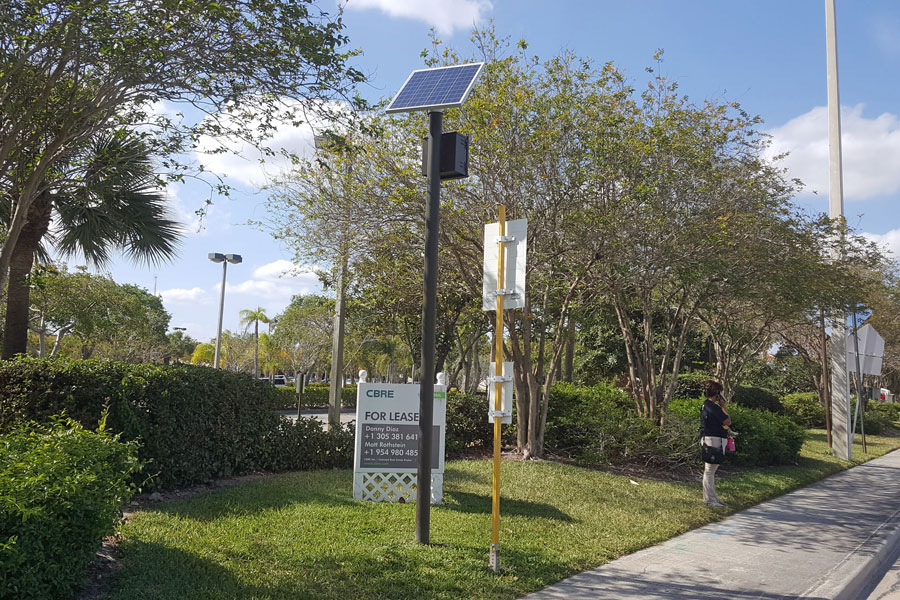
x,y
115,205
254,316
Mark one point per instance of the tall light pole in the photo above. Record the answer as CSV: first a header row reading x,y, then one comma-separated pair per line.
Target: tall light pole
x,y
338,144
840,383
234,259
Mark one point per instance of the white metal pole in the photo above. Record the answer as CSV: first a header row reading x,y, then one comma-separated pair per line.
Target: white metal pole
x,y
840,382
221,310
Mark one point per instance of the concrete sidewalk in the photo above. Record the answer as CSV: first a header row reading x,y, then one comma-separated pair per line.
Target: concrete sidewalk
x,y
832,539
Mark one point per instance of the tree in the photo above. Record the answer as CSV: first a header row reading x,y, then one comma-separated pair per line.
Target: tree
x,y
304,331
69,71
122,322
115,206
181,346
204,354
254,316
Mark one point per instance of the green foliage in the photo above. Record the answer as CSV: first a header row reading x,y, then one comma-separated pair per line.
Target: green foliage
x,y
599,425
60,492
758,398
787,374
467,423
691,385
879,417
305,445
765,438
804,409
194,423
317,394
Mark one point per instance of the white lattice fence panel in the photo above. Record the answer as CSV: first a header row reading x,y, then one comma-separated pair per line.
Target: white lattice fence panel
x,y
394,487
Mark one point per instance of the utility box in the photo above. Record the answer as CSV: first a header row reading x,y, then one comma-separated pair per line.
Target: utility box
x,y
454,156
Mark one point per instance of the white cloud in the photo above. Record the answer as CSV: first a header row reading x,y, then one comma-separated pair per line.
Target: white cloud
x,y
194,295
216,219
244,163
444,15
870,146
890,241
274,284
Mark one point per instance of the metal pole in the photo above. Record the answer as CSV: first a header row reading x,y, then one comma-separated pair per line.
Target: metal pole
x,y
498,393
858,380
221,310
300,382
429,318
337,348
840,383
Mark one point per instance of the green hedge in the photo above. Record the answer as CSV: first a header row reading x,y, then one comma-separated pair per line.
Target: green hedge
x,y
757,398
764,437
316,394
194,423
598,425
60,492
691,385
804,409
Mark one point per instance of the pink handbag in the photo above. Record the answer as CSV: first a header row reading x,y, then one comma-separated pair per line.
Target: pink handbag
x,y
729,446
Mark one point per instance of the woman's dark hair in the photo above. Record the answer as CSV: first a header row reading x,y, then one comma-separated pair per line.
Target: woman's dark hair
x,y
713,388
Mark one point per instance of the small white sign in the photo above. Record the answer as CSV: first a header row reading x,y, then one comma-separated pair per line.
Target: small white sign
x,y
387,428
506,394
514,277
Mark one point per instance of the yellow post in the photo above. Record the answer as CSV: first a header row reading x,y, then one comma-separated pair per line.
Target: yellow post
x,y
498,393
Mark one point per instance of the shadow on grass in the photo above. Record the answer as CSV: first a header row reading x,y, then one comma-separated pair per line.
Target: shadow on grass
x,y
256,497
467,502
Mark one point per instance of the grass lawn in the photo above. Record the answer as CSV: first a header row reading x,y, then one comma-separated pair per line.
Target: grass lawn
x,y
301,535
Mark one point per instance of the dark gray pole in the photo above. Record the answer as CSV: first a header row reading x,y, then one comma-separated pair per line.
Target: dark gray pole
x,y
429,317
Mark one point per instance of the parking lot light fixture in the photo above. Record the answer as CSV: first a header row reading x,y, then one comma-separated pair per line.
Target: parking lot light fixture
x,y
234,259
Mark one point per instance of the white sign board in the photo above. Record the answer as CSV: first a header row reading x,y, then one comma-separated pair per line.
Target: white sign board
x,y
506,394
514,277
387,428
871,351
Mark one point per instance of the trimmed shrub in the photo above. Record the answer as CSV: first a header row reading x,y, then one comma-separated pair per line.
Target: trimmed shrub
x,y
804,409
194,423
757,398
879,417
467,423
598,426
691,385
764,437
316,394
60,492
305,445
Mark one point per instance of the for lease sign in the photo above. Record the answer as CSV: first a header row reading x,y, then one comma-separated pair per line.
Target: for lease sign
x,y
387,428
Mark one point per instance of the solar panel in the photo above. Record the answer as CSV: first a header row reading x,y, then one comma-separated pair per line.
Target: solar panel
x,y
434,89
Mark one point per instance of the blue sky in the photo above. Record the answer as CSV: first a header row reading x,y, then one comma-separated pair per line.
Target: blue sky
x,y
769,55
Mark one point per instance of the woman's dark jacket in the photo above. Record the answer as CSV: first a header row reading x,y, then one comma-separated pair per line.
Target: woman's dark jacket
x,y
712,420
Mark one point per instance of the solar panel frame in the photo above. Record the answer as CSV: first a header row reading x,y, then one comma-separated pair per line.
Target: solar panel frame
x,y
432,89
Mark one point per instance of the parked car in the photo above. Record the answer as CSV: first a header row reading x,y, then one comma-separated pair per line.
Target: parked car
x,y
277,380
886,395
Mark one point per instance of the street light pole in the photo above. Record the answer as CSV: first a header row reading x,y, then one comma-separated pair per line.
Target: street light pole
x,y
217,257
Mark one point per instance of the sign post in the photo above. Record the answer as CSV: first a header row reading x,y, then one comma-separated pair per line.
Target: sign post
x,y
507,291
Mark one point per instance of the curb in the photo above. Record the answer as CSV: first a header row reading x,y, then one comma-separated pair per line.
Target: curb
x,y
856,573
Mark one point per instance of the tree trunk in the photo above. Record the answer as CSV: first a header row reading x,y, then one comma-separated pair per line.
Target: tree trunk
x,y
570,352
18,300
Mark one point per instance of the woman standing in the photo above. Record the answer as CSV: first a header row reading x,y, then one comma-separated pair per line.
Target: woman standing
x,y
714,422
